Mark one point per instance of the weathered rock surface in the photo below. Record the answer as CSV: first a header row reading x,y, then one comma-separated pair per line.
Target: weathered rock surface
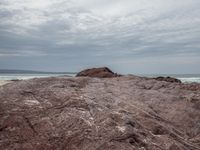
x,y
122,113
168,79
103,72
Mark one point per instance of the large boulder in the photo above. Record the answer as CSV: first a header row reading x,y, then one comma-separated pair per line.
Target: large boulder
x,y
103,72
168,79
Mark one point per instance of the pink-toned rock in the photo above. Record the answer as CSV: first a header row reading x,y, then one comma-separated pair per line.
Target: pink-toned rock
x,y
84,113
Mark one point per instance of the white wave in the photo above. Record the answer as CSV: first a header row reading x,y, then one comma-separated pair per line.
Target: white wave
x,y
190,79
5,77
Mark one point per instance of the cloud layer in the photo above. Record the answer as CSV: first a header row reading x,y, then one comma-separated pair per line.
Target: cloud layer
x,y
141,36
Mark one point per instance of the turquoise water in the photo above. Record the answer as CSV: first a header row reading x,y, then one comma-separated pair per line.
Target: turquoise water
x,y
186,78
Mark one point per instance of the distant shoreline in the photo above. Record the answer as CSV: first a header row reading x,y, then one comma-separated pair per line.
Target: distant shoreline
x,y
11,74
9,79
3,82
8,71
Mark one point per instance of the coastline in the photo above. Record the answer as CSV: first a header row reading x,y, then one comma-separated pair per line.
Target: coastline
x,y
6,78
3,82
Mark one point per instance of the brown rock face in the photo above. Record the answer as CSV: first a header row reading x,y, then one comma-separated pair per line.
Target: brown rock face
x,y
168,79
83,113
103,72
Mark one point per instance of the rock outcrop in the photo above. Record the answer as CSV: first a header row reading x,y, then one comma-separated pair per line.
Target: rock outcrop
x,y
84,113
168,79
2,82
103,72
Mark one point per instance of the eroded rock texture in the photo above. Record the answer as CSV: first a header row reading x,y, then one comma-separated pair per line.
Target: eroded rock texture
x,y
122,113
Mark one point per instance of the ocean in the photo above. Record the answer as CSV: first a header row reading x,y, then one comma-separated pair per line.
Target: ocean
x,y
186,78
27,76
6,77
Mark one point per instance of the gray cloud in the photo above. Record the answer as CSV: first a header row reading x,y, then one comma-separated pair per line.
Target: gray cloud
x,y
129,36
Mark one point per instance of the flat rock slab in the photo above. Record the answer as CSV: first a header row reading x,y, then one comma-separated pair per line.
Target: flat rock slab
x,y
82,113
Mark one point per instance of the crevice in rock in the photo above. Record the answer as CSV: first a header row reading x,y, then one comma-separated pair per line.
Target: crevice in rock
x,y
3,128
27,120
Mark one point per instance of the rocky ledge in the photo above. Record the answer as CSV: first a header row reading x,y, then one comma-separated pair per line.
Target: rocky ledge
x,y
84,113
103,72
168,79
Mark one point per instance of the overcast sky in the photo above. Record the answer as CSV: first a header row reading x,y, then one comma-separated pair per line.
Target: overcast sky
x,y
129,36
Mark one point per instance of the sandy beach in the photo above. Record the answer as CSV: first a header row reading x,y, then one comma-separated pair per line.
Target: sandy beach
x,y
2,82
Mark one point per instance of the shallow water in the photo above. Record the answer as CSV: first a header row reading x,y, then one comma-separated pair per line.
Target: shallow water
x,y
4,77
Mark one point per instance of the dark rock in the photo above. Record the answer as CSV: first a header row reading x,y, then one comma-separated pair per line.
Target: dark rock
x,y
168,79
103,72
15,80
159,130
174,147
